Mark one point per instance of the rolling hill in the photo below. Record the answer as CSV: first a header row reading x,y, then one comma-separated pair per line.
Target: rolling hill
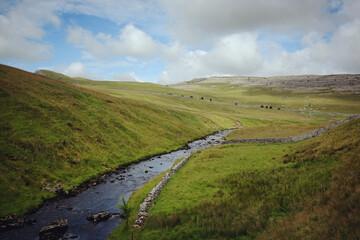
x,y
54,133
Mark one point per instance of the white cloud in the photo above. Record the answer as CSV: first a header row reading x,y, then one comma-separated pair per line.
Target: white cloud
x,y
130,42
341,54
209,37
126,76
78,69
21,30
235,54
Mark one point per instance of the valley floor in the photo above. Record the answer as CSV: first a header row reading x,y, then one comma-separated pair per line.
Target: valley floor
x,y
304,190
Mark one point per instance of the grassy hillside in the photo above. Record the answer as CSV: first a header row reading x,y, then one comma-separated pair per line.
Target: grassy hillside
x,y
250,120
311,101
301,99
52,131
305,190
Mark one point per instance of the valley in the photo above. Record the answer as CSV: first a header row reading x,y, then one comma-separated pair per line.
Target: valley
x,y
58,133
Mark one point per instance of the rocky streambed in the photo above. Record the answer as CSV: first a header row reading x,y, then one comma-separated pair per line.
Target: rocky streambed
x,y
79,210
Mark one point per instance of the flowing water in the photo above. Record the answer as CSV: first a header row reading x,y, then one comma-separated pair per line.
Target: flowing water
x,y
105,196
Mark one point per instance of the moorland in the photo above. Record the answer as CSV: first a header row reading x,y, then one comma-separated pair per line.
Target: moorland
x,y
58,131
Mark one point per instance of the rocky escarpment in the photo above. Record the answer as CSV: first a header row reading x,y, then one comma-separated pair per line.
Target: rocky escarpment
x,y
292,139
300,83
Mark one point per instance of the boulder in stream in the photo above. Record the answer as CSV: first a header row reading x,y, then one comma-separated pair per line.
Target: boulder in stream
x,y
55,230
10,222
99,217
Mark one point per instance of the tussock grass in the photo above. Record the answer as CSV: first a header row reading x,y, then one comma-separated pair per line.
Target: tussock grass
x,y
306,190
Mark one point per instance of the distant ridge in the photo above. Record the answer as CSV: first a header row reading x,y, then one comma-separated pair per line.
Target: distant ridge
x,y
337,82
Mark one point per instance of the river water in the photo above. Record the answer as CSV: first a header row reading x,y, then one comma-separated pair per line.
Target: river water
x,y
105,196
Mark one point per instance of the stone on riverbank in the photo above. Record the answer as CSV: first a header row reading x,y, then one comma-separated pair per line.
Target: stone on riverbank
x,y
10,222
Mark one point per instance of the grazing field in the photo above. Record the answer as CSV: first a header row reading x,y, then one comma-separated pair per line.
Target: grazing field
x,y
299,98
305,190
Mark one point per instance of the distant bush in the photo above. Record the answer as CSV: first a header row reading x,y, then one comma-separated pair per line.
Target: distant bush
x,y
202,98
262,106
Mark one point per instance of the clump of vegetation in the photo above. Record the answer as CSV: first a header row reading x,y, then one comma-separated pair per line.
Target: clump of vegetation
x,y
126,210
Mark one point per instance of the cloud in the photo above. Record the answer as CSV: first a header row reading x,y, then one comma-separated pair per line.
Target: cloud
x,y
122,12
21,30
130,42
235,54
340,54
78,69
202,19
204,38
239,54
126,76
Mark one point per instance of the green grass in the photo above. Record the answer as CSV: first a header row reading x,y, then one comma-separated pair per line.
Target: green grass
x,y
51,131
325,101
277,129
69,130
305,190
55,130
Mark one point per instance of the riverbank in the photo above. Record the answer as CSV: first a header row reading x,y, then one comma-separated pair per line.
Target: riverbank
x,y
254,190
105,196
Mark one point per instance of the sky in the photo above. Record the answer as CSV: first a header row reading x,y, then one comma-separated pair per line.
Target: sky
x,y
169,41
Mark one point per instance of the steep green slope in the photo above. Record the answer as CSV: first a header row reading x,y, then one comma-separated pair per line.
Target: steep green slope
x,y
305,190
52,131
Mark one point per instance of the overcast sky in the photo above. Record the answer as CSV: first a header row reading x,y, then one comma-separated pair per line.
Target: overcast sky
x,y
168,41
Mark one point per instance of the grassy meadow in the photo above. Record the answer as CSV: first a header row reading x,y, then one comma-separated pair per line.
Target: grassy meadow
x,y
61,130
326,101
305,190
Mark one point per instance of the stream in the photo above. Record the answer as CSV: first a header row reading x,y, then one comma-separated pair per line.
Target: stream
x,y
105,196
